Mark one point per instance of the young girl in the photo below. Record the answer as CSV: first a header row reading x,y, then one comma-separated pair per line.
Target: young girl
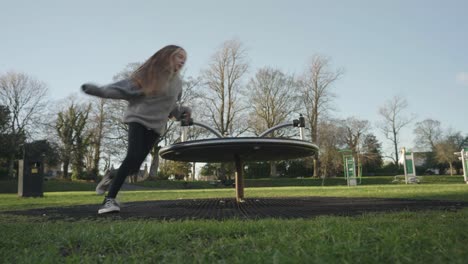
x,y
152,92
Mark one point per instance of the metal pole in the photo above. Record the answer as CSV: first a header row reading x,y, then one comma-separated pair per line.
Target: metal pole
x,y
403,153
463,160
209,128
275,128
184,133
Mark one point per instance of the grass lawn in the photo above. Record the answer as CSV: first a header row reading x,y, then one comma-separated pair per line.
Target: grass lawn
x,y
404,237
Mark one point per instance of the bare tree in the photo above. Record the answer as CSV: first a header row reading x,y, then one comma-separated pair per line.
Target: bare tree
x,y
393,121
371,153
5,142
222,104
99,127
355,132
428,132
4,118
444,153
25,98
332,138
223,82
317,96
71,129
272,99
445,148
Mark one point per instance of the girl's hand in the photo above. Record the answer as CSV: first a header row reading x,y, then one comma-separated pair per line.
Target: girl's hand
x,y
91,89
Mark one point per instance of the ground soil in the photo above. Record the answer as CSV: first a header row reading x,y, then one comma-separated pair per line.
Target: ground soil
x,y
252,208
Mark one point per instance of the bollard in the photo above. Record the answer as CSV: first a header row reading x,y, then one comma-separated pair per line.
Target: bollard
x,y
31,173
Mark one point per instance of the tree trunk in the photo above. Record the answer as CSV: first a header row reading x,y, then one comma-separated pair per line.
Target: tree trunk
x,y
223,175
97,147
11,168
133,178
153,172
273,172
65,169
395,143
359,168
96,158
316,171
193,171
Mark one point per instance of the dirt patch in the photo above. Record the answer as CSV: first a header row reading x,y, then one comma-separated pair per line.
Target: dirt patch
x,y
253,208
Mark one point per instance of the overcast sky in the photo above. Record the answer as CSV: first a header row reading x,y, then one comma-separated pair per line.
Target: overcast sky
x,y
413,48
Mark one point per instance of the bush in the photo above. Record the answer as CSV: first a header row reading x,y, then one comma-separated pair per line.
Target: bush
x,y
390,169
3,173
86,176
257,170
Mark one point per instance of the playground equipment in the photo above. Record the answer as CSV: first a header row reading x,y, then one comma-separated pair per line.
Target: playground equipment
x,y
407,159
463,156
349,168
239,149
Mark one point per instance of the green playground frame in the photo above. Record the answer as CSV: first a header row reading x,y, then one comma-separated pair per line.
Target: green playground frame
x,y
349,168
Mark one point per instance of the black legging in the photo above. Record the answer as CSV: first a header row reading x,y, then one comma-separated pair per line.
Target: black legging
x,y
140,142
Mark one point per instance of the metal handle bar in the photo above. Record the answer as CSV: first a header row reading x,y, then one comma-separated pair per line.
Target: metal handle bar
x,y
296,123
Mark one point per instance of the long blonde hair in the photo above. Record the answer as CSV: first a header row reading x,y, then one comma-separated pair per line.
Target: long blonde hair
x,y
154,75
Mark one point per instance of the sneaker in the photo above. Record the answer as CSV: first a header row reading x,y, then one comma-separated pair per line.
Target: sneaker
x,y
110,205
104,184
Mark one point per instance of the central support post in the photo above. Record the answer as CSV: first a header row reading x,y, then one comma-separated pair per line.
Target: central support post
x,y
239,179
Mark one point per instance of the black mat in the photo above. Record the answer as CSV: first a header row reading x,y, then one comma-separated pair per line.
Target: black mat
x,y
253,208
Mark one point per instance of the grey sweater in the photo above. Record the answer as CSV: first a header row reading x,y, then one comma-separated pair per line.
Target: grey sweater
x,y
151,111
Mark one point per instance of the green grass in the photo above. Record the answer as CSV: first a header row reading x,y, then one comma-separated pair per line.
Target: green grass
x,y
404,237
11,186
457,192
373,238
282,182
171,185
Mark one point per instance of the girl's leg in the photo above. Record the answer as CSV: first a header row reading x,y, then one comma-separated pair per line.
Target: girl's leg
x,y
140,142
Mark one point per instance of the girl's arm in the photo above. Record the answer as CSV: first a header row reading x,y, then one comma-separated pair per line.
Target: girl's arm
x,y
120,90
